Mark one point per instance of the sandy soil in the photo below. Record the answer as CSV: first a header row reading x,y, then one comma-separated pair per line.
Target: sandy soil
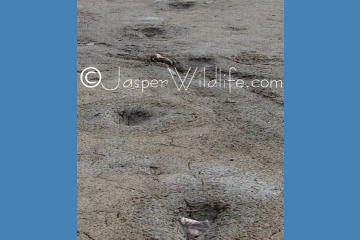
x,y
147,158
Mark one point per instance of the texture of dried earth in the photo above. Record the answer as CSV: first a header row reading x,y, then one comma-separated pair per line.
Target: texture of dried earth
x,y
145,159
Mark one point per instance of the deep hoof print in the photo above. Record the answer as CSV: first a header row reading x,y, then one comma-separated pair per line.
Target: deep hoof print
x,y
149,31
207,205
182,4
134,117
104,115
203,211
153,32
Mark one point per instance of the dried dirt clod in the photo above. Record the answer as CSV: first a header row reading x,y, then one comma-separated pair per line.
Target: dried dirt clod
x,y
194,228
160,58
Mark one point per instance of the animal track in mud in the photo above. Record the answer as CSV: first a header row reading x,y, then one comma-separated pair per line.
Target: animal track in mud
x,y
134,117
181,5
228,193
153,31
124,116
202,211
149,31
131,117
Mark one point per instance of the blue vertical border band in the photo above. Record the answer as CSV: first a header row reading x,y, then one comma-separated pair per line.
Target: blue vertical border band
x,y
322,107
38,120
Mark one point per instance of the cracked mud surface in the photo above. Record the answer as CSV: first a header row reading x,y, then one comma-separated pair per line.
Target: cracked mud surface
x,y
145,159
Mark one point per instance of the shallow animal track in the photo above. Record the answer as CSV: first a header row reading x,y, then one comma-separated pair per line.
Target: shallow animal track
x,y
182,4
150,31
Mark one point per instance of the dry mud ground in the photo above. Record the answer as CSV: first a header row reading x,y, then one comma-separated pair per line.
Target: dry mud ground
x,y
145,159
